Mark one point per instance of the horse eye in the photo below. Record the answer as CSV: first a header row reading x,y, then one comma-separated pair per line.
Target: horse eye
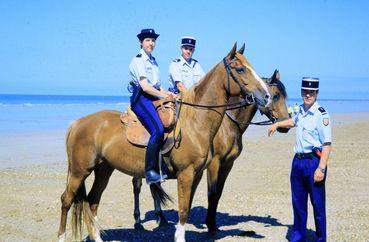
x,y
276,97
240,70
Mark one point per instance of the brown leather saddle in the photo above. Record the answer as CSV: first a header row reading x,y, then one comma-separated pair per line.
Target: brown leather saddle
x,y
138,135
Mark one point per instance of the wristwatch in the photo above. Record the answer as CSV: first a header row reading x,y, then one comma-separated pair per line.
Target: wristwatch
x,y
323,170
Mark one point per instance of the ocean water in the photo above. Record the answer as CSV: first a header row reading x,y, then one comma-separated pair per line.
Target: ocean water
x,y
23,113
20,113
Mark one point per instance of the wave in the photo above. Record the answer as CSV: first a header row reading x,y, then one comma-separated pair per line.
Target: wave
x,y
61,104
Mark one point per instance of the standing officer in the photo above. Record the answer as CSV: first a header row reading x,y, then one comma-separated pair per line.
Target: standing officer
x,y
185,71
309,165
146,87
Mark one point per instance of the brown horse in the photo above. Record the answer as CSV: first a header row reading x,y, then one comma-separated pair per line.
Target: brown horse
x,y
227,146
228,142
95,142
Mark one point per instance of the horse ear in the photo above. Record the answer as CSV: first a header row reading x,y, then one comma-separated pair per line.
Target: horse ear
x,y
242,49
232,53
276,76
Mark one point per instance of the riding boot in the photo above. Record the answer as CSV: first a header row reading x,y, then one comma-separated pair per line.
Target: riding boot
x,y
151,163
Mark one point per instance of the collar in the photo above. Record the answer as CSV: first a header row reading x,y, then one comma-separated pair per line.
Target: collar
x,y
183,60
145,56
311,110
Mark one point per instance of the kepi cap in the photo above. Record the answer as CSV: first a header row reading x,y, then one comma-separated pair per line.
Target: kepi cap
x,y
188,41
310,83
147,33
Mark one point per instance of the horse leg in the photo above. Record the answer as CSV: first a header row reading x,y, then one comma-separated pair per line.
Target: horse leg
x,y
184,181
159,216
103,171
73,185
137,184
196,182
212,175
217,176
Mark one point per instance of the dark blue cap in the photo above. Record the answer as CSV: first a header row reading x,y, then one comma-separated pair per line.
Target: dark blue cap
x,y
147,33
189,41
310,83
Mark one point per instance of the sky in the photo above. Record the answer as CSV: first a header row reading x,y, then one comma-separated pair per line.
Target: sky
x,y
85,47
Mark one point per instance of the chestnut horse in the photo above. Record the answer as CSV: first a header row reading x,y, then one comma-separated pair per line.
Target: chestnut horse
x,y
227,146
228,142
97,139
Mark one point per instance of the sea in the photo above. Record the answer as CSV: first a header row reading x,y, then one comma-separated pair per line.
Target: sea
x,y
32,113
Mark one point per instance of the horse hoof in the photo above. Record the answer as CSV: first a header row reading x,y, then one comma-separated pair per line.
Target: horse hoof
x,y
96,236
179,235
62,238
162,221
212,228
138,226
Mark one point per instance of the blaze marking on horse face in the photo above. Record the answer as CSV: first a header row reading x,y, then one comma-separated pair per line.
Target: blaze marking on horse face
x,y
256,76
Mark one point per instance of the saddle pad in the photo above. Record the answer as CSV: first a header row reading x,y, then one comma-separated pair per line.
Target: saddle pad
x,y
138,135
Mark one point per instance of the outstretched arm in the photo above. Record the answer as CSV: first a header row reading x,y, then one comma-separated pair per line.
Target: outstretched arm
x,y
288,123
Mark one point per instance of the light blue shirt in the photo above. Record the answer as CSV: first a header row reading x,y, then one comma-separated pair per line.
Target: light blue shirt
x,y
143,65
313,128
186,72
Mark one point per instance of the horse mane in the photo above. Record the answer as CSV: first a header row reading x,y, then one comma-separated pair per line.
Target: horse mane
x,y
195,91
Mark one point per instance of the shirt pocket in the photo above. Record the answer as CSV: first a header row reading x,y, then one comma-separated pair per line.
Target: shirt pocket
x,y
309,133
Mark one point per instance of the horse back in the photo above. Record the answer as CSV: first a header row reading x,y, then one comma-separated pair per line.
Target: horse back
x,y
90,132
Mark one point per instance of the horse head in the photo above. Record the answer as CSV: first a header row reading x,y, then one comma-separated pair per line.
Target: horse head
x,y
277,108
245,80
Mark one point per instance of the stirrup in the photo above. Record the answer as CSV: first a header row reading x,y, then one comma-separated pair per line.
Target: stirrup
x,y
155,177
162,179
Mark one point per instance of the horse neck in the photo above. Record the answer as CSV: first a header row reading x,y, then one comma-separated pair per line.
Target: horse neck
x,y
244,116
210,91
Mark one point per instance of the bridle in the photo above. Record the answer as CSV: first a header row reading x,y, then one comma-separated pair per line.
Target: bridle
x,y
248,98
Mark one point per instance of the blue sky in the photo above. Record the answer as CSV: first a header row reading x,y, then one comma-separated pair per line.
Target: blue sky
x,y
84,47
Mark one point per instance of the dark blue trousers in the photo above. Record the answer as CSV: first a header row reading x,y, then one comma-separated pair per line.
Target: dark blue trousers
x,y
144,109
302,185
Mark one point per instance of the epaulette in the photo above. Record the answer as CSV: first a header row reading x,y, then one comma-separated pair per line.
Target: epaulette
x,y
176,60
153,57
322,110
194,60
139,55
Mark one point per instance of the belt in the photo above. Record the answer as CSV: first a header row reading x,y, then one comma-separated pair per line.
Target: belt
x,y
304,155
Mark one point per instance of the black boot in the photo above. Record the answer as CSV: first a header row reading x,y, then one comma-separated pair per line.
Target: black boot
x,y
151,163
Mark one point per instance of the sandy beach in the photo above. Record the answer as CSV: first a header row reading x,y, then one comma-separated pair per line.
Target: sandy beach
x,y
255,205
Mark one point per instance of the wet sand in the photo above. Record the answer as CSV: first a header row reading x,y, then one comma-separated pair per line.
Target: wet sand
x,y
255,204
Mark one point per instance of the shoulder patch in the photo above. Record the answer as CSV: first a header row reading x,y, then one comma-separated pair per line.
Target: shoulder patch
x,y
176,60
322,110
325,121
139,55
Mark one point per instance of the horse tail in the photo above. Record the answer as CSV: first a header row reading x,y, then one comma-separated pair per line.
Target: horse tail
x,y
81,208
158,193
66,145
82,213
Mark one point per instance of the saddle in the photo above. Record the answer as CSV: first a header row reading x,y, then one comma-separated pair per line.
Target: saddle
x,y
138,135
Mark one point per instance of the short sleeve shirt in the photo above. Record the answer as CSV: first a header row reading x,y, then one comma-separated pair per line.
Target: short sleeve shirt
x,y
313,128
143,65
185,72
